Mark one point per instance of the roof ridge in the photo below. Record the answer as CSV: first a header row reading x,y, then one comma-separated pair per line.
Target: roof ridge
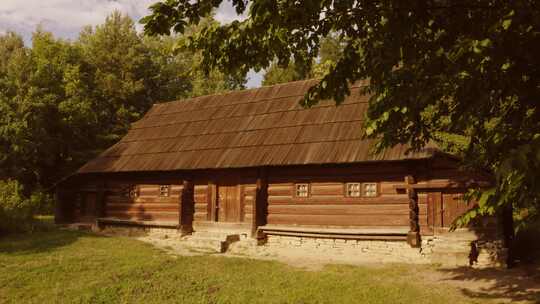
x,y
237,91
238,116
216,131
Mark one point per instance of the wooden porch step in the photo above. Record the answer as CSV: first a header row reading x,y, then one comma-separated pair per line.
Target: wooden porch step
x,y
216,242
222,227
78,226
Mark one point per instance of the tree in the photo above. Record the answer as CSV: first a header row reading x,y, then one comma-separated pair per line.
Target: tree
x,y
276,74
121,66
63,102
210,81
34,108
464,74
329,53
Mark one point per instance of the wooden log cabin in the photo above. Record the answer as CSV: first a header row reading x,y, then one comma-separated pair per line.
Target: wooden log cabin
x,y
255,162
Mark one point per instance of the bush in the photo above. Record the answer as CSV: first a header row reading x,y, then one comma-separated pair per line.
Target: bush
x,y
16,210
42,202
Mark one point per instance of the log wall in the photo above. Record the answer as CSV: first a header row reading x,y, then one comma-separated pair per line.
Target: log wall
x,y
248,201
328,205
147,206
202,194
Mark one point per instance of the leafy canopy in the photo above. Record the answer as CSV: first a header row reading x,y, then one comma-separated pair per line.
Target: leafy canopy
x,y
461,73
329,53
62,102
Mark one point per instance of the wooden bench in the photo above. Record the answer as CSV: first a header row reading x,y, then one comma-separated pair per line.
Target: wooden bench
x,y
115,221
358,233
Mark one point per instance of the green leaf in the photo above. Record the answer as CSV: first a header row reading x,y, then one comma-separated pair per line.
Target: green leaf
x,y
506,24
485,197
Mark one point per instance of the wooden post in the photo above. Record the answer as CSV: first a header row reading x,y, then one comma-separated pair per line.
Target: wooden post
x,y
212,201
413,237
186,207
260,205
100,200
100,203
64,206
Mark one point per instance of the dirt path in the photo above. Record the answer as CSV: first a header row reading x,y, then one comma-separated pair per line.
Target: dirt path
x,y
519,285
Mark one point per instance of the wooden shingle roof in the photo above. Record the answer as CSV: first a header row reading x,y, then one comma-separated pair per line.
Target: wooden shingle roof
x,y
250,128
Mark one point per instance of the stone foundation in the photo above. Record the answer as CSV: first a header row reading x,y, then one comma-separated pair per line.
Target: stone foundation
x,y
459,248
140,231
381,251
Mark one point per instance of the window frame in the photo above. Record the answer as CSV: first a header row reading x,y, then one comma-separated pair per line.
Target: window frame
x,y
347,194
130,192
308,190
363,191
133,191
160,192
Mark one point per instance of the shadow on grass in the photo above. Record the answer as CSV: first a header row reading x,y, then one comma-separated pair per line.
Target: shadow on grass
x,y
40,241
518,284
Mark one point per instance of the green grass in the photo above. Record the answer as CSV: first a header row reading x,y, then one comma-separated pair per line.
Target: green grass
x,y
76,267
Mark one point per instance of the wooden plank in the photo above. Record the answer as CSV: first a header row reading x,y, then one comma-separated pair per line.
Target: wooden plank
x,y
142,207
400,199
327,189
145,216
201,189
110,220
453,206
375,209
200,207
388,230
338,220
438,209
339,236
281,191
200,198
141,200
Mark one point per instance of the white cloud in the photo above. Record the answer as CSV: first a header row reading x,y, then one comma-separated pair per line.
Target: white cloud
x,y
227,13
66,18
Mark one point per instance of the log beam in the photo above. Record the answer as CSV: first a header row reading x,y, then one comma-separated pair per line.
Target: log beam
x,y
413,236
260,208
186,207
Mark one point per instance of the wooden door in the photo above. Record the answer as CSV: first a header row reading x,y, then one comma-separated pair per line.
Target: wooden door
x,y
444,208
435,210
228,203
454,206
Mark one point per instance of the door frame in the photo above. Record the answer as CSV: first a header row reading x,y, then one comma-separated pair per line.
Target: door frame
x,y
218,208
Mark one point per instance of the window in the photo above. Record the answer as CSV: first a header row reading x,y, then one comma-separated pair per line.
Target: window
x,y
353,189
369,189
164,190
131,191
302,190
134,191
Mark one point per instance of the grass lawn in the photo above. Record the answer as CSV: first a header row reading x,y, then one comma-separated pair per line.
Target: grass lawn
x,y
69,266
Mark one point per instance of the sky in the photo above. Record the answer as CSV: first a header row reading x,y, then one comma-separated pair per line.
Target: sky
x,y
65,18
